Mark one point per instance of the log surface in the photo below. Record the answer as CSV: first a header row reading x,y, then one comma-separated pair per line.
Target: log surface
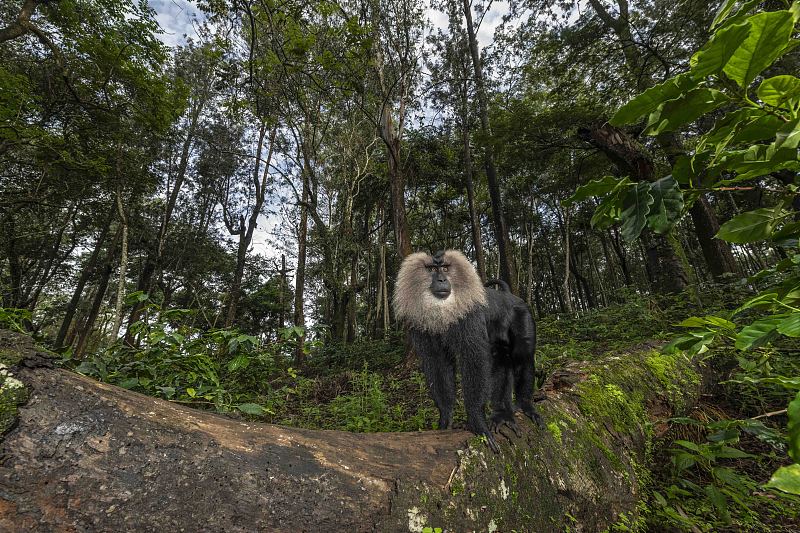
x,y
89,456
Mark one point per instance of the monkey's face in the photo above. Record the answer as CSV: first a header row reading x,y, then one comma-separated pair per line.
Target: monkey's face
x,y
439,270
434,292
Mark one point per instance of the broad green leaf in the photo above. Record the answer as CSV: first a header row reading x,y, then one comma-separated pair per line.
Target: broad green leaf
x,y
758,333
688,444
708,320
768,298
608,211
684,109
636,206
650,99
726,452
191,392
128,383
769,34
750,226
723,11
780,90
786,479
790,326
759,160
788,231
717,52
240,361
252,408
667,205
741,14
719,500
599,187
793,427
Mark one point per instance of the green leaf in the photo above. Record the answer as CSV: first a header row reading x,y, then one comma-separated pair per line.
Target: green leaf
x,y
770,33
635,208
719,500
764,299
780,90
687,108
793,427
667,205
650,99
688,444
790,326
191,392
608,211
128,383
723,12
252,408
717,52
599,187
726,452
750,226
758,333
240,361
708,320
786,479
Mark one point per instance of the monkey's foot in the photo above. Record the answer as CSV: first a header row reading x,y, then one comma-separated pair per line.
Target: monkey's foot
x,y
503,419
490,441
530,411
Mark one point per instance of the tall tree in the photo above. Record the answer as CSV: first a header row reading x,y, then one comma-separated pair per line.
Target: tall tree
x,y
507,267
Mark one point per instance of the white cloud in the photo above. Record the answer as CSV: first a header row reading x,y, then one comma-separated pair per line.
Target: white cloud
x,y
175,17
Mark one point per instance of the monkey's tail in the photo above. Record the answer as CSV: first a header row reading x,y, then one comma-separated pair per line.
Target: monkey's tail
x,y
501,285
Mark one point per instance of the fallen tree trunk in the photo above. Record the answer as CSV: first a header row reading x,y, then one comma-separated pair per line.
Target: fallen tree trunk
x,y
88,456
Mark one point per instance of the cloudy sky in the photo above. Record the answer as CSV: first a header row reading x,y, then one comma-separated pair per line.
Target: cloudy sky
x,y
176,16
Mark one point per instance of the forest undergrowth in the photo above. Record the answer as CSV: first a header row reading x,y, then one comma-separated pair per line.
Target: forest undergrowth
x,y
709,466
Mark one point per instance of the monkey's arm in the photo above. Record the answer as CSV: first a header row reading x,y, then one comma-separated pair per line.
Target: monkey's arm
x,y
439,370
471,342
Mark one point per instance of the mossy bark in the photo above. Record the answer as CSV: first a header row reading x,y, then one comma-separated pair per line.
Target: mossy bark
x,y
88,456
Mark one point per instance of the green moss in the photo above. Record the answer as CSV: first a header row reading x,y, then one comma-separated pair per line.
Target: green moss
x,y
608,402
553,428
9,357
12,394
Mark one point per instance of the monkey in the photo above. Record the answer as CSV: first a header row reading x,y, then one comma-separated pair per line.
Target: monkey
x,y
453,320
512,332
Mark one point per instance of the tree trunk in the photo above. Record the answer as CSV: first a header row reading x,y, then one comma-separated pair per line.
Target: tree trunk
x,y
245,232
567,297
86,273
123,268
397,183
507,267
300,277
90,456
470,185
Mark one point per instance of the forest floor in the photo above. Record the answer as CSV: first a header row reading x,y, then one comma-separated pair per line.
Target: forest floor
x,y
708,466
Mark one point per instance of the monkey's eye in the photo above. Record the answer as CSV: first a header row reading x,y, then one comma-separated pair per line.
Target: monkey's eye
x,y
444,269
431,269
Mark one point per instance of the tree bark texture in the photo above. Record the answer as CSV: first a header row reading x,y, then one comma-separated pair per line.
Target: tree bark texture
x,y
89,456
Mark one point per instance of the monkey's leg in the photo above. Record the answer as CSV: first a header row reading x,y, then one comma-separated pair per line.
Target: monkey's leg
x,y
476,382
502,404
439,370
440,374
523,388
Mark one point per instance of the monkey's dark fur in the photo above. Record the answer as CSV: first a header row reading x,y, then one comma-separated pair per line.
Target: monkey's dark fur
x,y
490,334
